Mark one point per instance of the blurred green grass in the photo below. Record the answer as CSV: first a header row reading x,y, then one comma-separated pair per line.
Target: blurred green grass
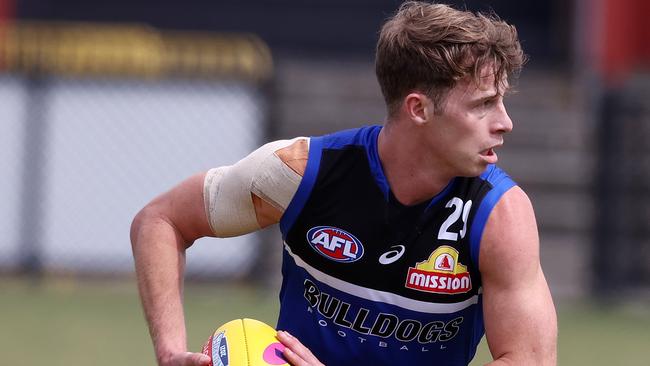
x,y
99,322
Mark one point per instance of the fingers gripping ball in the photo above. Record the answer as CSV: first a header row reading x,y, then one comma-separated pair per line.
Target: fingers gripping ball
x,y
244,342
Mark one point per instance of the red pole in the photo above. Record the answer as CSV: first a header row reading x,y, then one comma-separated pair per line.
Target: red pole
x,y
7,8
643,37
626,37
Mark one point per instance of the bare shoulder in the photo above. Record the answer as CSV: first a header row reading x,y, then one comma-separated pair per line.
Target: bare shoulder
x,y
510,241
269,206
295,155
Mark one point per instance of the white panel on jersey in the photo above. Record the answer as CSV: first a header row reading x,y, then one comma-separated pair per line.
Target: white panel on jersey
x,y
382,296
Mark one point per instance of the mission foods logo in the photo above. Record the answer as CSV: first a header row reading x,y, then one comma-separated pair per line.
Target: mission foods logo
x,y
335,244
441,273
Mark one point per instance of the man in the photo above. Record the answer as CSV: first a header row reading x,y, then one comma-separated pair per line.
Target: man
x,y
403,243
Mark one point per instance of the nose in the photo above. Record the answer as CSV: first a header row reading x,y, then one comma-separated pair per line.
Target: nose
x,y
503,123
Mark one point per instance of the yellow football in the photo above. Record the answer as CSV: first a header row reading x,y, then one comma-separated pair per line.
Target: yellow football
x,y
244,342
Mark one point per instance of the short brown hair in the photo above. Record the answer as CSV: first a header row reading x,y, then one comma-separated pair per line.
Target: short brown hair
x,y
429,47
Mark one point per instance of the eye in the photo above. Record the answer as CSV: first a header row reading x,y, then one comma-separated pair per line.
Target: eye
x,y
488,103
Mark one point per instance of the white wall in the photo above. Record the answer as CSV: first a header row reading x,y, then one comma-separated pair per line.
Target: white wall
x,y
114,145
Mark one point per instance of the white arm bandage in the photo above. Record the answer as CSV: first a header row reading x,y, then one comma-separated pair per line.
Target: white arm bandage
x,y
227,190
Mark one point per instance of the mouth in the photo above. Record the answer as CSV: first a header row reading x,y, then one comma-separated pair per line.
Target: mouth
x,y
489,155
488,152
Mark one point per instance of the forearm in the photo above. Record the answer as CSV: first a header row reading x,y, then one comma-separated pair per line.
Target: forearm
x,y
159,253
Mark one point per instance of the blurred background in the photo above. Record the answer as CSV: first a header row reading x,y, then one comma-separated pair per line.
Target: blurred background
x,y
104,105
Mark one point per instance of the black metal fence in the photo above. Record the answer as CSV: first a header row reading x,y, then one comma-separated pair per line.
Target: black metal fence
x,y
621,260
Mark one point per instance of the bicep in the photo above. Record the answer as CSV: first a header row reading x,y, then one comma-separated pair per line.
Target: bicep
x,y
520,320
182,208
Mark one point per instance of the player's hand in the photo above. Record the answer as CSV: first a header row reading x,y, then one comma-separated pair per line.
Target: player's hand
x,y
186,359
295,352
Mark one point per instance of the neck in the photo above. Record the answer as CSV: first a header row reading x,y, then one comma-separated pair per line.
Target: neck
x,y
413,175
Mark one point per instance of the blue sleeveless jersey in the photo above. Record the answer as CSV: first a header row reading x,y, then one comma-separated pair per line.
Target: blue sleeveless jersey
x,y
369,281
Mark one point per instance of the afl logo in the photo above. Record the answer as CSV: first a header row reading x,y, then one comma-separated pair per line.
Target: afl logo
x,y
220,350
335,244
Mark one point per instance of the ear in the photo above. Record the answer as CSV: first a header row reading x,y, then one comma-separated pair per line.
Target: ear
x,y
418,108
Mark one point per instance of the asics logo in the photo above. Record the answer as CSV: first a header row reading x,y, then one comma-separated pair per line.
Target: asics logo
x,y
392,255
